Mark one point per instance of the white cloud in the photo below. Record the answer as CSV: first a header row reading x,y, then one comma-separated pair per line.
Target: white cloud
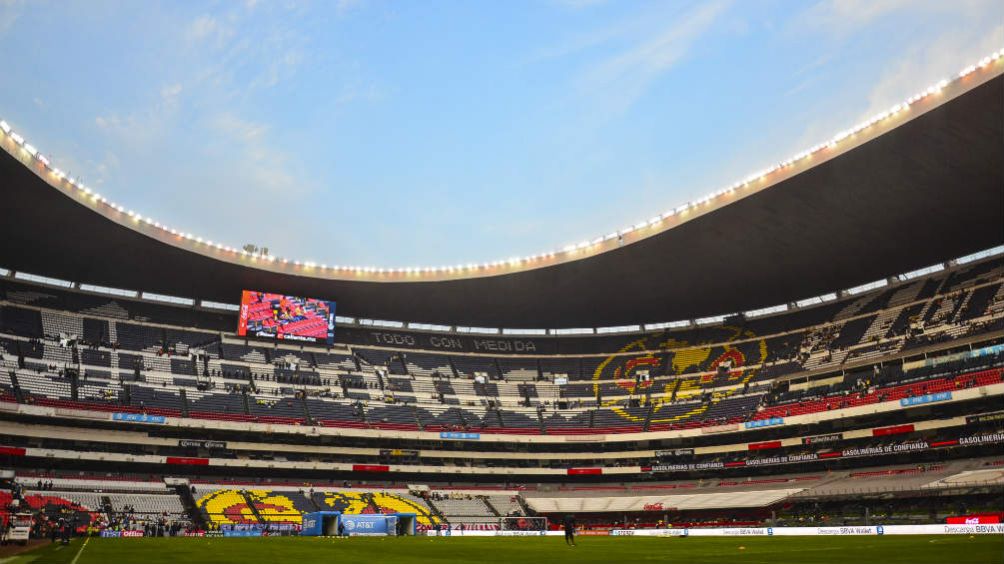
x,y
169,94
209,30
579,4
278,67
343,7
262,164
623,78
202,27
141,129
10,11
848,16
239,129
104,168
925,60
928,63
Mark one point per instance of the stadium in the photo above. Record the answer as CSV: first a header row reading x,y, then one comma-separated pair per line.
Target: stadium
x,y
804,366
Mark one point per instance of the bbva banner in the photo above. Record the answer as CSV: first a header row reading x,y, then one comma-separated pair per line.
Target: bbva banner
x,y
996,529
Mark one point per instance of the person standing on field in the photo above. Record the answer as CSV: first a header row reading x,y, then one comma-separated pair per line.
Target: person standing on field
x,y
569,524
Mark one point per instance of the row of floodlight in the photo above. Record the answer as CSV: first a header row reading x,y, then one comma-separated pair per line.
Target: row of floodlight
x,y
309,267
526,332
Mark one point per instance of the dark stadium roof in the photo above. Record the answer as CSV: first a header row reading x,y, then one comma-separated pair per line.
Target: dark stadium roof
x,y
927,190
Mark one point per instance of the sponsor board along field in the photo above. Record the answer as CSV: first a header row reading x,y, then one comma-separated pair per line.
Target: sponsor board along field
x,y
914,549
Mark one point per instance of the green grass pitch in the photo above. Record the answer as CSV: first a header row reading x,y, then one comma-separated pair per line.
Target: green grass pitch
x,y
986,549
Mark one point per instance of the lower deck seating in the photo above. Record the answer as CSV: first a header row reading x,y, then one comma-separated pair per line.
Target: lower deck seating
x,y
224,505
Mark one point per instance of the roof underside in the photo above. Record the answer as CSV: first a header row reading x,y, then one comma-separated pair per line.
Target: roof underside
x,y
927,191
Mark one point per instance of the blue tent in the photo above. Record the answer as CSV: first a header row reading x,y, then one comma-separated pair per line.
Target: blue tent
x,y
326,523
320,524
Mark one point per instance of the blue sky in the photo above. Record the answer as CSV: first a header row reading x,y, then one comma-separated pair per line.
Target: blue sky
x,y
396,134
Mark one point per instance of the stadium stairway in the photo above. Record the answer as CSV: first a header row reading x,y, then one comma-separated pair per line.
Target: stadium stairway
x,y
106,507
306,411
436,511
17,387
525,506
491,507
313,503
252,505
74,385
418,418
188,502
648,414
372,503
184,402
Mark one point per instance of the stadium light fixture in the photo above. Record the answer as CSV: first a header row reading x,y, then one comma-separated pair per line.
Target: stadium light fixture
x,y
762,176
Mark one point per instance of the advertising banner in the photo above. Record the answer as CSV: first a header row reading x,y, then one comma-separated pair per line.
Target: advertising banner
x,y
519,533
363,525
398,452
138,418
820,439
312,525
187,461
451,342
986,418
250,533
649,532
688,467
674,452
764,423
189,443
459,436
974,520
987,439
926,398
912,446
992,529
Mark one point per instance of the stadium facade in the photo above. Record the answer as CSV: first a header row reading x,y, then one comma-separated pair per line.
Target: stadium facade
x,y
840,337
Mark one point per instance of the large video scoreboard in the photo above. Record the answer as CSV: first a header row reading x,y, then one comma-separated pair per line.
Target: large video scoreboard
x,y
286,318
